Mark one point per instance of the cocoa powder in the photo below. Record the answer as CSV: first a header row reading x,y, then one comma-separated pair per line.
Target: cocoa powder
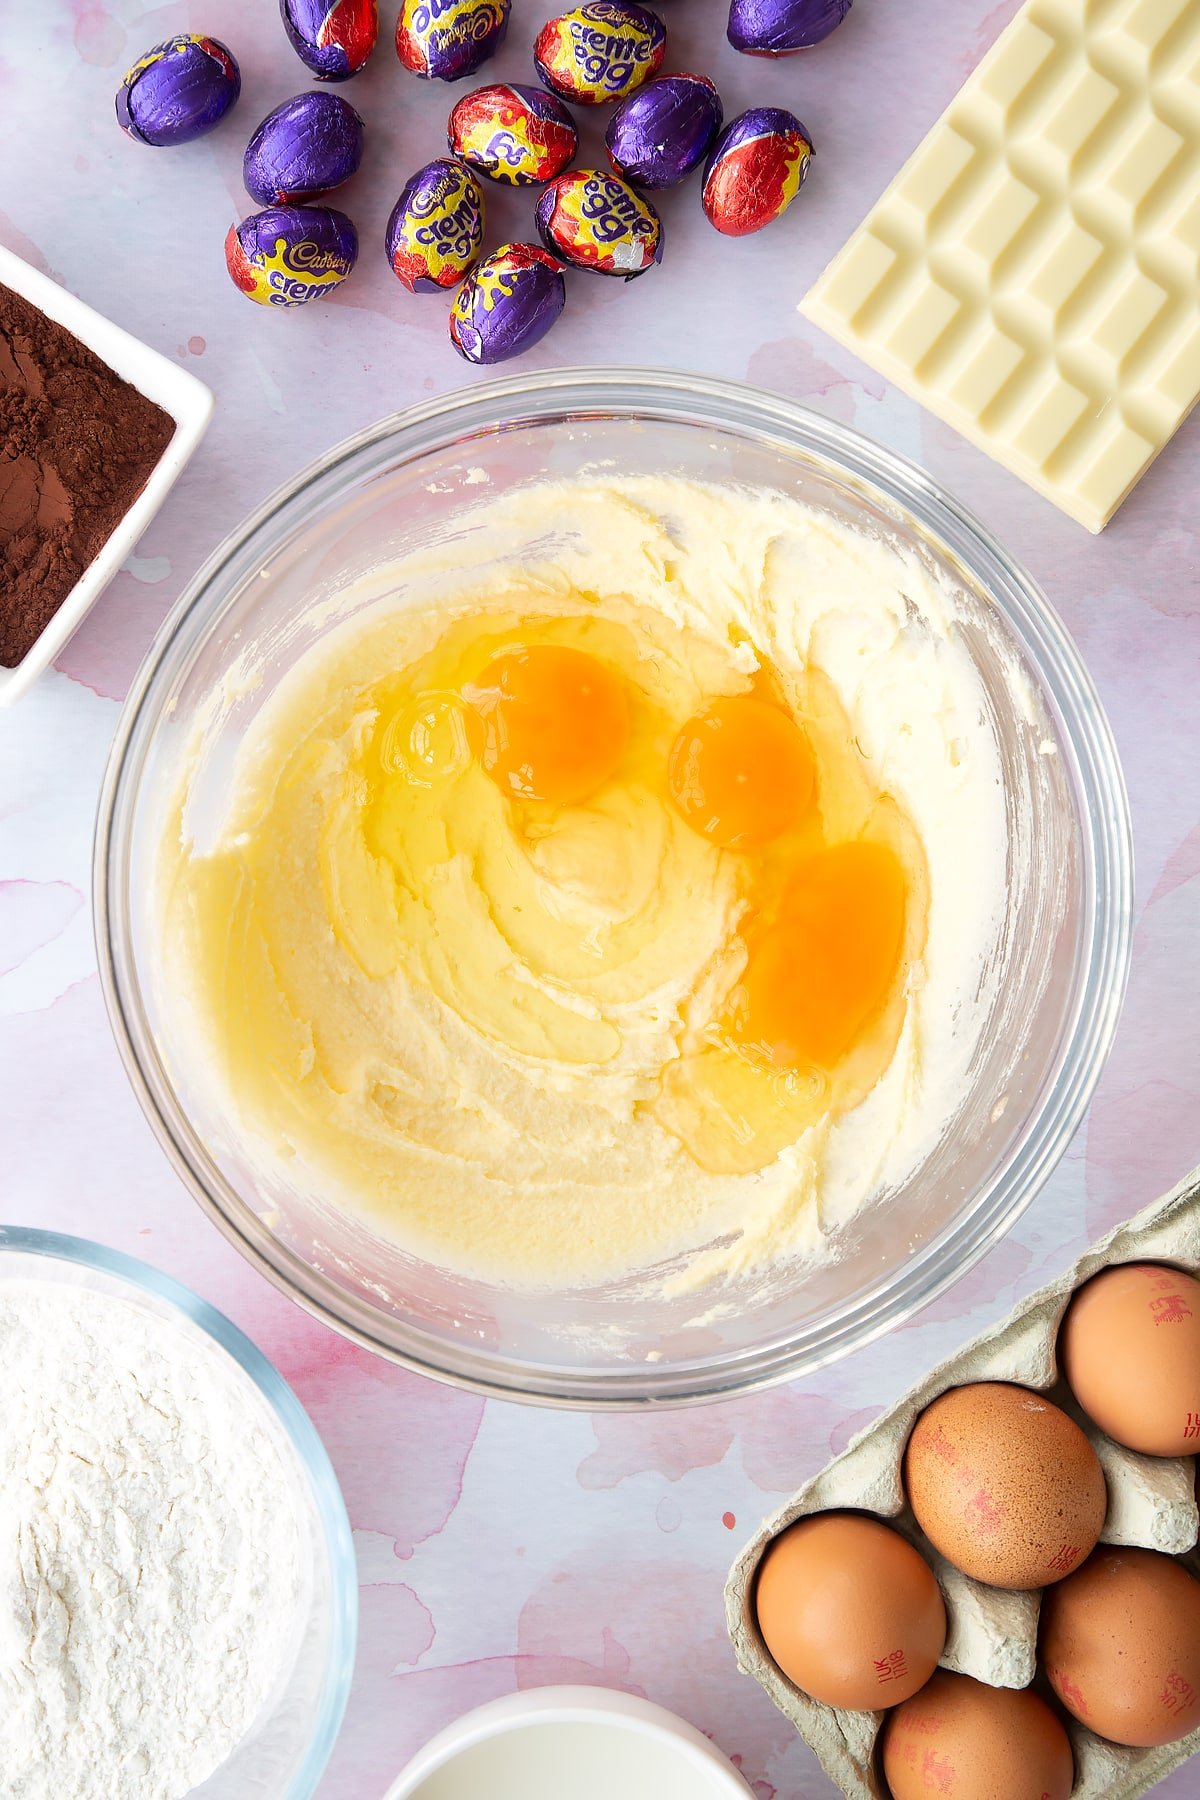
x,y
77,444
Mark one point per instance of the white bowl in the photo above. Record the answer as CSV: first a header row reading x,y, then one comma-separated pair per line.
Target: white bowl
x,y
535,1734
187,401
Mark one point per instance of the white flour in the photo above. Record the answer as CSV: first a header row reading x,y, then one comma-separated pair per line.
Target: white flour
x,y
150,1556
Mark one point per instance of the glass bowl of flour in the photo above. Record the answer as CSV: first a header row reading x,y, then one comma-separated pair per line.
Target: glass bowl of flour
x,y
178,1603
352,1076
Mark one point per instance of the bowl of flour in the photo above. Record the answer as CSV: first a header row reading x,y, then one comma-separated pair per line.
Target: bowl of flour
x,y
178,1606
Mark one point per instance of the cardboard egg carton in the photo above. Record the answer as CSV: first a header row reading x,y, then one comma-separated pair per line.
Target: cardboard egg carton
x,y
992,1632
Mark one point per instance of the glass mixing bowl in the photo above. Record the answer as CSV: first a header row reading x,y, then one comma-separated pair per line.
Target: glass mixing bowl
x,y
286,1749
1064,945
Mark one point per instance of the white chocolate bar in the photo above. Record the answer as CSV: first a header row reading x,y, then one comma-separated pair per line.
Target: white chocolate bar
x,y
1032,275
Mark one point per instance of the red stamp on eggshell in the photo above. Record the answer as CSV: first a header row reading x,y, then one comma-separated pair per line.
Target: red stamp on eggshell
x,y
1064,1558
939,1445
983,1512
937,1772
1177,1694
1069,1691
1172,1309
891,1667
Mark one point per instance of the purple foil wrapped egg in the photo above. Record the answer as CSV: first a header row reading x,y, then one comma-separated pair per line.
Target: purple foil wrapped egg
x,y
781,27
289,255
333,38
600,51
507,304
443,40
435,234
178,91
516,134
661,133
755,170
594,220
307,146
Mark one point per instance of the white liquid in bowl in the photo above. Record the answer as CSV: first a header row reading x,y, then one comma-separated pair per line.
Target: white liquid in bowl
x,y
577,1761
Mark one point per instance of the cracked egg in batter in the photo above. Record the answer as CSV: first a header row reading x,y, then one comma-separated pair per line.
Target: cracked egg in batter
x,y
614,893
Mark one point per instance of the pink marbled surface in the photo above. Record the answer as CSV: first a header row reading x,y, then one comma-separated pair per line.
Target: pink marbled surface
x,y
501,1547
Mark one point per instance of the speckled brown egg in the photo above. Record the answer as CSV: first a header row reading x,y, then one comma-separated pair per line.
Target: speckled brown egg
x,y
1004,1485
1130,1348
1120,1644
850,1611
963,1740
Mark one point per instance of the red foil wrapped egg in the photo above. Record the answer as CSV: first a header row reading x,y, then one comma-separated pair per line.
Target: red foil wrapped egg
x,y
512,133
333,38
755,170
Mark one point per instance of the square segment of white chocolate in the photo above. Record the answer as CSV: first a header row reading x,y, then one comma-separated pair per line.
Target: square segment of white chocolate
x,y
1032,275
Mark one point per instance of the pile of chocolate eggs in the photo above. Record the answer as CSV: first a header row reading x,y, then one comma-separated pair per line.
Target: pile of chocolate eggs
x,y
662,128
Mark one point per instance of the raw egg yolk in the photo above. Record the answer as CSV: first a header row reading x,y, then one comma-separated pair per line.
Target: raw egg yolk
x,y
547,723
741,772
820,971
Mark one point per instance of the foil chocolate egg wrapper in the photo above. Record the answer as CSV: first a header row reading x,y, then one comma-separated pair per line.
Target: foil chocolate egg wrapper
x,y
333,38
289,255
507,304
178,91
600,51
663,131
511,133
594,220
444,40
307,146
435,234
755,170
782,27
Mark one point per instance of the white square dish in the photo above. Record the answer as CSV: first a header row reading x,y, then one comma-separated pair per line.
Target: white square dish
x,y
188,402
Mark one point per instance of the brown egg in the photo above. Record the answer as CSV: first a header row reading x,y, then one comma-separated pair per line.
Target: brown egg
x,y
1004,1485
967,1741
850,1611
1130,1348
1120,1643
